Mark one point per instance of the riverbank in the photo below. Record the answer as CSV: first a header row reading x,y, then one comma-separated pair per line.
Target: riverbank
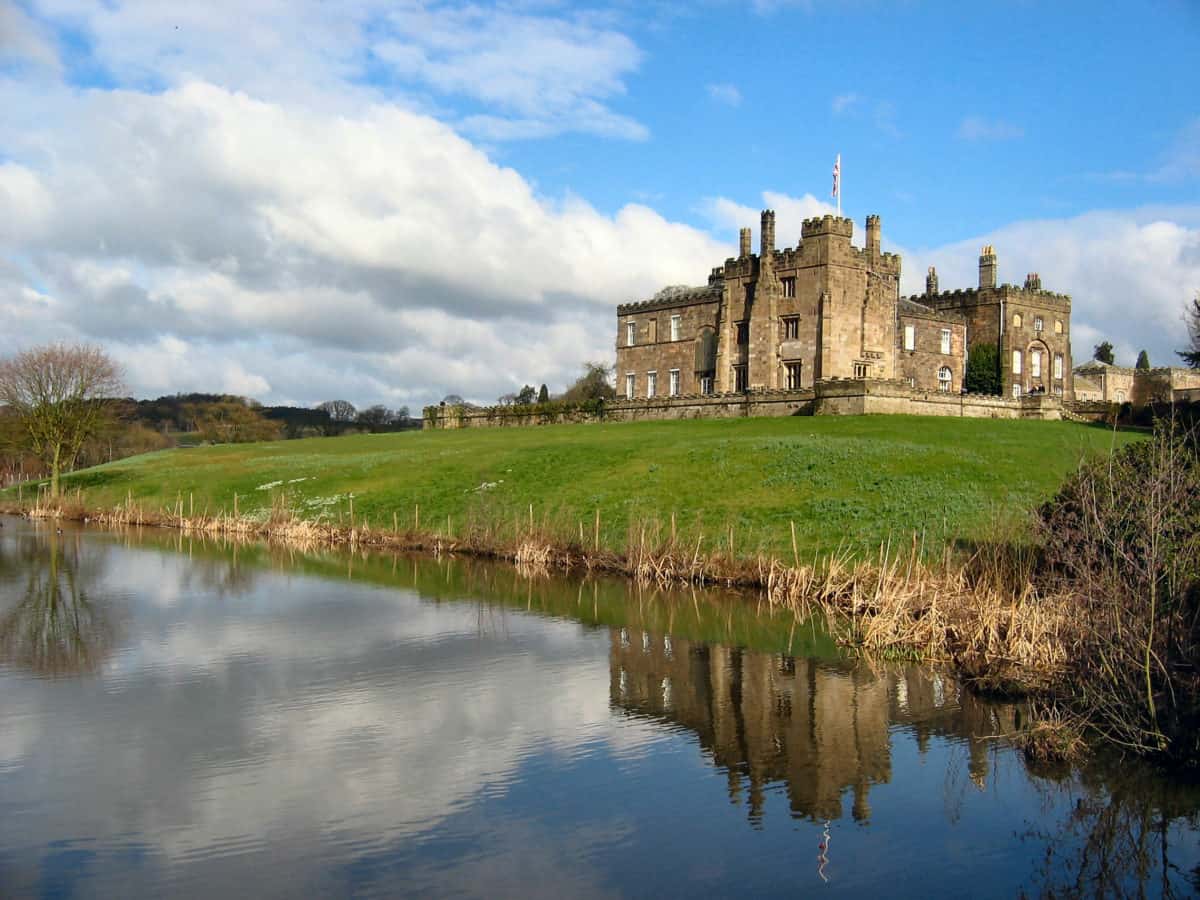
x,y
812,486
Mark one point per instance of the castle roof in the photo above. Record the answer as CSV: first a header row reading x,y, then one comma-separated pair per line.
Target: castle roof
x,y
673,296
906,306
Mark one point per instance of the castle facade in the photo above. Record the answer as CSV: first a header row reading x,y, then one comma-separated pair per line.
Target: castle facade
x,y
826,309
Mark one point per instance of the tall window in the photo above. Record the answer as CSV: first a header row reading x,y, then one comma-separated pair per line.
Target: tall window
x,y
1016,390
739,378
630,385
651,383
793,376
673,387
910,337
1035,363
630,333
653,323
945,379
946,341
676,321
706,385
750,293
1038,324
1058,326
1016,320
860,370
1016,362
1058,365
791,328
789,287
743,332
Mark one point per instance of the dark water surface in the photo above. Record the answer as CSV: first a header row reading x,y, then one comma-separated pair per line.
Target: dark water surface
x,y
184,718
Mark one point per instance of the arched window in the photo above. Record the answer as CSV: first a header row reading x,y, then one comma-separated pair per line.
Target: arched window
x,y
1016,320
945,377
1058,326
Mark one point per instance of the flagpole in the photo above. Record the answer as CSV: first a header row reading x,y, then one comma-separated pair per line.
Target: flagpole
x,y
839,185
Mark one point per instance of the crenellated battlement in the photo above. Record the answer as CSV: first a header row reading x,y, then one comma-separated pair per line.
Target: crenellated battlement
x,y
827,225
674,296
1006,292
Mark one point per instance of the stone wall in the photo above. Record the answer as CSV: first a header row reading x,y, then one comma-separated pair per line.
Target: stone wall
x,y
856,398
922,363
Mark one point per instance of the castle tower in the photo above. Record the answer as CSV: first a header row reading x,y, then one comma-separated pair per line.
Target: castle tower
x,y
743,243
931,283
987,267
764,332
873,234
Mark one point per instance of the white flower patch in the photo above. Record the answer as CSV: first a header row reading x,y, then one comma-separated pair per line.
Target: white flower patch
x,y
297,480
268,486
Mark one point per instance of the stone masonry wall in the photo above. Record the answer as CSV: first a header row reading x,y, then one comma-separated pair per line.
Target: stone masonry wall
x,y
922,363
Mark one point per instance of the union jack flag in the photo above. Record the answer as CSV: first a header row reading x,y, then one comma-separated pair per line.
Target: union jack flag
x,y
837,175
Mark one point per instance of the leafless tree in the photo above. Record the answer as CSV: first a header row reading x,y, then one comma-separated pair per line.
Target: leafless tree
x,y
1191,315
61,394
339,410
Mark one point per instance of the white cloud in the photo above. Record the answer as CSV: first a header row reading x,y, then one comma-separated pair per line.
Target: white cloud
x,y
725,93
978,128
300,255
22,41
790,213
1129,273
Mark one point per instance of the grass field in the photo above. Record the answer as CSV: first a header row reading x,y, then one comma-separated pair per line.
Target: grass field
x,y
844,481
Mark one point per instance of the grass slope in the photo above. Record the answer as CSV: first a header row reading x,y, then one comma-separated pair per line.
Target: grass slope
x,y
844,481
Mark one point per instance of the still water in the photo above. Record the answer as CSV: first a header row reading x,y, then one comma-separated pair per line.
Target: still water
x,y
187,718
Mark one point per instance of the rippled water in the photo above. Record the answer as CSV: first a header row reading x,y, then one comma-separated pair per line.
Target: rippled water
x,y
189,719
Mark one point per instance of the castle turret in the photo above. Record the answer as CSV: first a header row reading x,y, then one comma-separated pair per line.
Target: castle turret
x,y
1033,282
987,267
873,232
767,233
931,283
743,243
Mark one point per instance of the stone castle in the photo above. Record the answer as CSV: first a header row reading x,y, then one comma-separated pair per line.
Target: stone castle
x,y
791,319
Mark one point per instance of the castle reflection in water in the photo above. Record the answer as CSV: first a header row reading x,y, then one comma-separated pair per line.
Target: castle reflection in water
x,y
818,728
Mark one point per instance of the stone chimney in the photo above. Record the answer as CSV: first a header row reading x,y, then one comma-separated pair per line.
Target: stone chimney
x,y
768,232
1033,282
873,232
987,267
931,283
743,243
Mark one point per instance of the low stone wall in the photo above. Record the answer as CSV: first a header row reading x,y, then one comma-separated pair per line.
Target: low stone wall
x,y
836,397
713,406
853,397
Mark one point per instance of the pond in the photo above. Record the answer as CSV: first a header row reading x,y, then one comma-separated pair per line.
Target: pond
x,y
181,717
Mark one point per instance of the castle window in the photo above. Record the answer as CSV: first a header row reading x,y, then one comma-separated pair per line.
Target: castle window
x,y
1058,326
739,378
1037,323
743,332
706,385
860,370
791,328
676,321
912,382
673,388
651,383
1058,366
1120,396
630,385
1016,320
910,337
749,293
789,287
946,341
793,376
1016,390
945,379
1035,363
1016,362
653,323
1058,390
630,333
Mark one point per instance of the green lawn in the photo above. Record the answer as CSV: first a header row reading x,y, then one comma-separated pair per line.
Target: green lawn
x,y
844,481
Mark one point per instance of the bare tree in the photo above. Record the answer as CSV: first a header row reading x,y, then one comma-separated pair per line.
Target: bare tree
x,y
61,395
339,410
1191,315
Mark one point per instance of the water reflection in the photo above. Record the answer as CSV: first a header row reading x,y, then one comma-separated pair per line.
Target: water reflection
x,y
284,723
56,627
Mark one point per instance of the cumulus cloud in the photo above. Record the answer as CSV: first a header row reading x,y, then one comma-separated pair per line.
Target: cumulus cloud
x,y
725,93
265,236
1129,273
979,128
790,213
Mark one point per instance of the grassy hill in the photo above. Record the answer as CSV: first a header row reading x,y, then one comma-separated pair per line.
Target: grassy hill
x,y
843,481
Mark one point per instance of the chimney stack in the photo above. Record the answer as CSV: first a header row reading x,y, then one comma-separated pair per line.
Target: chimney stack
x,y
987,267
768,233
873,232
931,283
743,243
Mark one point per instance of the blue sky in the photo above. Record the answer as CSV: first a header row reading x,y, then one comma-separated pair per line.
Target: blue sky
x,y
391,201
